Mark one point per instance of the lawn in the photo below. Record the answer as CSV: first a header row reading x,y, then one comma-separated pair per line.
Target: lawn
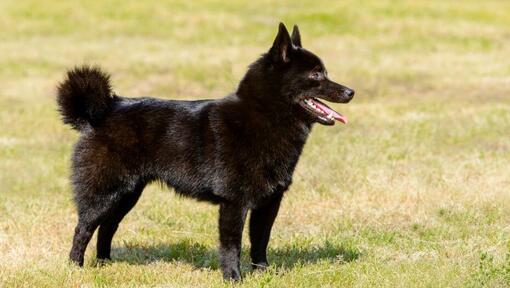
x,y
413,192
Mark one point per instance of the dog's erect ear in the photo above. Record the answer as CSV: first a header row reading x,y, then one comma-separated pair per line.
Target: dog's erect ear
x,y
296,36
282,45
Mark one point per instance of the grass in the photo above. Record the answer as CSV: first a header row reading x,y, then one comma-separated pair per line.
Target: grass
x,y
413,192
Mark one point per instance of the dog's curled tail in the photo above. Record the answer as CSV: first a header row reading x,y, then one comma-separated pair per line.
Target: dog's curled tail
x,y
85,97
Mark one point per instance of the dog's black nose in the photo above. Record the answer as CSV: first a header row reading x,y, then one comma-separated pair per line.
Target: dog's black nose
x,y
348,94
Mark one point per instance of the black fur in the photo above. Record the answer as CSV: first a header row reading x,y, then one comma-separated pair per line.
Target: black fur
x,y
239,152
85,97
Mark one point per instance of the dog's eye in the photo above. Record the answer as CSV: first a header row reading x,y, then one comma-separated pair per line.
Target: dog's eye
x,y
316,75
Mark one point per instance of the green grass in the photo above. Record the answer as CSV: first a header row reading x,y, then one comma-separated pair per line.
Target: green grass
x,y
413,192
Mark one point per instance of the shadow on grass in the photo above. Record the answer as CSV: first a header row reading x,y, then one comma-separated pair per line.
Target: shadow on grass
x,y
201,256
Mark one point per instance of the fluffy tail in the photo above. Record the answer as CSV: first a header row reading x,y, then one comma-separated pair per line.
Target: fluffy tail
x,y
84,97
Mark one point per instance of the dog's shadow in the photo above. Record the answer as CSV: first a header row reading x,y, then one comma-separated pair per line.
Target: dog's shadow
x,y
201,256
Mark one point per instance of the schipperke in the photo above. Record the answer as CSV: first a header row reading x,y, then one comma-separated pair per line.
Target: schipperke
x,y
239,152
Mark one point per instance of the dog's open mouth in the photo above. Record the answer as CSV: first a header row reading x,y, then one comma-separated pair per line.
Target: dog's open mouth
x,y
322,112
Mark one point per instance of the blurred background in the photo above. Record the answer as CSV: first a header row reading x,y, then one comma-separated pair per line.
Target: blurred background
x,y
414,191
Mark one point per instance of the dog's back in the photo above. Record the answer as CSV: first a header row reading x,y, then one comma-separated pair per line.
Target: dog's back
x,y
128,141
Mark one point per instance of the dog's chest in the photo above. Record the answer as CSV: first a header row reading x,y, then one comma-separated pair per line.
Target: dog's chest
x,y
277,162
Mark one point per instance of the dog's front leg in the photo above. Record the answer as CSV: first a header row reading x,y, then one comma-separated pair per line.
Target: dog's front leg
x,y
231,224
261,222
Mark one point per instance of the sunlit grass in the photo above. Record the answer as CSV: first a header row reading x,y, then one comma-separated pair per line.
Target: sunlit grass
x,y
412,192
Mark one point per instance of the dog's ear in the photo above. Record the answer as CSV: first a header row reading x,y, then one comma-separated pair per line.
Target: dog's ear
x,y
296,36
282,45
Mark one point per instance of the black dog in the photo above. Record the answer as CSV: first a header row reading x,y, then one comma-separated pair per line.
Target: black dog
x,y
239,152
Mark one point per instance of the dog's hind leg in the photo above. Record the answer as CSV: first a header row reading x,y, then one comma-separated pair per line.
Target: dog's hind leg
x,y
261,222
92,210
109,226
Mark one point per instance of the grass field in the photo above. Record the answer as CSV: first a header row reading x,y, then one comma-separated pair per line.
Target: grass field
x,y
413,192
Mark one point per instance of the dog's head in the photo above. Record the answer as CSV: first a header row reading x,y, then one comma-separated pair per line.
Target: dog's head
x,y
298,77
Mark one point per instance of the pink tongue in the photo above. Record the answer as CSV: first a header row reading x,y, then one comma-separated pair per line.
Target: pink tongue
x,y
328,111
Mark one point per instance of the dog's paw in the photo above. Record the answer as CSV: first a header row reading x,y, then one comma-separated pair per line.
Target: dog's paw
x,y
232,275
259,266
